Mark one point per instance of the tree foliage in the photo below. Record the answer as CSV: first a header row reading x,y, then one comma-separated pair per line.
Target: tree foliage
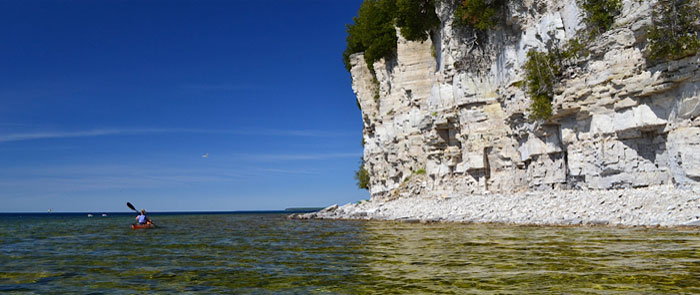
x,y
416,18
544,70
674,31
362,176
478,14
600,14
374,28
372,32
541,73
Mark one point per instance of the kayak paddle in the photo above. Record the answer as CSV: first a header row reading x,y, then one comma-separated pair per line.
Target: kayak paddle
x,y
132,207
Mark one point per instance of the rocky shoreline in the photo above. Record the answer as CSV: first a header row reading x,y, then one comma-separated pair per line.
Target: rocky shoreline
x,y
653,206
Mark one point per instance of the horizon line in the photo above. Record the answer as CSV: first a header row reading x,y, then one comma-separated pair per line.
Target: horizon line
x,y
165,212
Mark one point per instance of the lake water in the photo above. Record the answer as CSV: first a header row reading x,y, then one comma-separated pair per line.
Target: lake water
x,y
268,254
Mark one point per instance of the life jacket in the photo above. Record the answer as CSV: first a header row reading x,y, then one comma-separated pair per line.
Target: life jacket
x,y
142,219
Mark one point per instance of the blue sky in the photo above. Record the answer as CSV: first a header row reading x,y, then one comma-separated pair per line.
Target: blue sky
x,y
104,102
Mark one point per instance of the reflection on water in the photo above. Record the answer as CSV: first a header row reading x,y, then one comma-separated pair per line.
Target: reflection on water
x,y
449,258
267,254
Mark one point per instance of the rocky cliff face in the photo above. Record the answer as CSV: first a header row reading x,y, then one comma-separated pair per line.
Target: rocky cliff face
x,y
454,107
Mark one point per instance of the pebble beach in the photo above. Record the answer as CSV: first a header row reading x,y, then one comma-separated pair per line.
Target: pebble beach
x,y
655,206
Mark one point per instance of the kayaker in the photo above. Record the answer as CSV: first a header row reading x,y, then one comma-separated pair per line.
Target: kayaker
x,y
142,219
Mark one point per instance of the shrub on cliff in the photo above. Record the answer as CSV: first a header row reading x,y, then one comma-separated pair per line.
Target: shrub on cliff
x,y
372,32
600,14
541,74
374,28
674,30
416,18
362,176
543,70
478,14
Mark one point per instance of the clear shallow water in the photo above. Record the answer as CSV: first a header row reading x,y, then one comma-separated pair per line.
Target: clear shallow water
x,y
268,254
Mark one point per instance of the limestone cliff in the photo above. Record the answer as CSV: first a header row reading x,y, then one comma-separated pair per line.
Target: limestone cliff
x,y
454,107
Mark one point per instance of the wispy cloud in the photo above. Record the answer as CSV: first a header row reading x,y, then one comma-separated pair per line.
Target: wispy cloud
x,y
88,133
45,135
293,133
297,157
137,131
284,171
72,178
217,87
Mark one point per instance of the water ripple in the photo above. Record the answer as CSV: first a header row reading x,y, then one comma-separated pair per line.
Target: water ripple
x,y
268,254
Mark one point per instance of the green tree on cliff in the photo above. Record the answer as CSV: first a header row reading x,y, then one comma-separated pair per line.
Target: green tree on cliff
x,y
674,31
372,32
362,176
600,14
541,74
374,28
416,18
478,14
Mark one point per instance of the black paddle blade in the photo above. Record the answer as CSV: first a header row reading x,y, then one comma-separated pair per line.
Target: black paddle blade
x,y
131,206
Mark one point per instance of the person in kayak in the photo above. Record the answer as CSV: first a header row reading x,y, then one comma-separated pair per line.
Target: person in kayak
x,y
142,219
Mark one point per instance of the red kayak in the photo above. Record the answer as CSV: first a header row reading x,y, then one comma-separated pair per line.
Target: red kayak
x,y
143,226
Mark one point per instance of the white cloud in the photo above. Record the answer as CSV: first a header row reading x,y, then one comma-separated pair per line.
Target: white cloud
x,y
297,157
70,178
214,87
136,131
75,134
43,135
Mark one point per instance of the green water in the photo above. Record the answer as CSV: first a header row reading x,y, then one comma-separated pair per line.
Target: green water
x,y
268,254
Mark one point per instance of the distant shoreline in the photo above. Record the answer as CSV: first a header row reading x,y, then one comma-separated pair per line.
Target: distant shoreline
x,y
654,206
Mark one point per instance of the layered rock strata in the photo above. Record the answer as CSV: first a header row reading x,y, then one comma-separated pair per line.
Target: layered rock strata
x,y
447,135
454,108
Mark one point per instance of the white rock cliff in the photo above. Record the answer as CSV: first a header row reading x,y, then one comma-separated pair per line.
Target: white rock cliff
x,y
454,107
